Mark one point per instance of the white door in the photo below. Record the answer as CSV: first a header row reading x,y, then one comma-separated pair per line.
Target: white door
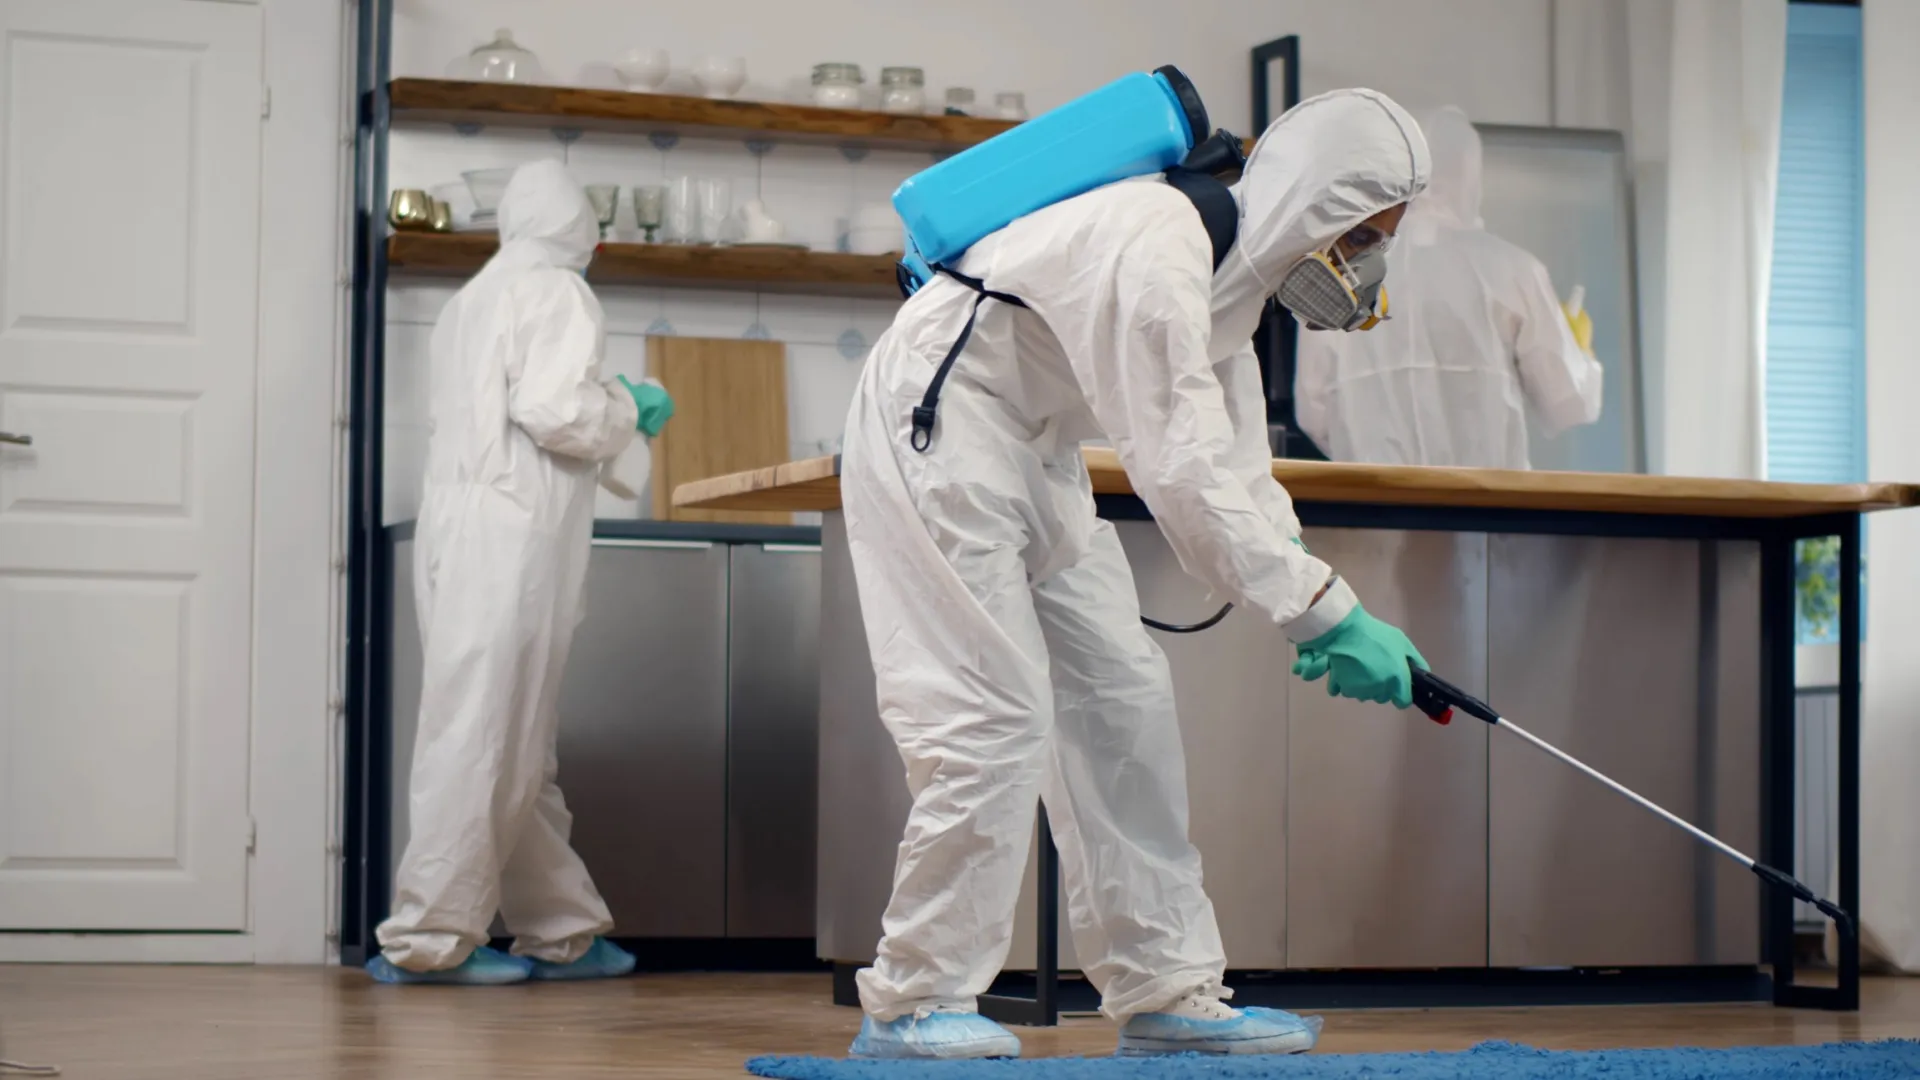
x,y
129,204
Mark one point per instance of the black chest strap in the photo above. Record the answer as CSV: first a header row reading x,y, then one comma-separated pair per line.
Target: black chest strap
x,y
1218,213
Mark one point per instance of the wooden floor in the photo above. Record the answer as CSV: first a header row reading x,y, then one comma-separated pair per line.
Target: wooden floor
x,y
160,1023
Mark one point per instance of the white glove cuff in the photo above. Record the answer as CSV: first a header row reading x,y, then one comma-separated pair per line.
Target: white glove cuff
x,y
1335,605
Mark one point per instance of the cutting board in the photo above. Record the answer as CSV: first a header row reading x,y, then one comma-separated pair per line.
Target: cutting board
x,y
729,414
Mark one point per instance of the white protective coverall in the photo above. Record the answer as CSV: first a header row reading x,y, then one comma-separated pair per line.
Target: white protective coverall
x,y
1474,333
1001,612
521,423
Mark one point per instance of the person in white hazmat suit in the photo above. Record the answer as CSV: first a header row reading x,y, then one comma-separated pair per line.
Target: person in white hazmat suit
x,y
522,427
1001,613
1476,335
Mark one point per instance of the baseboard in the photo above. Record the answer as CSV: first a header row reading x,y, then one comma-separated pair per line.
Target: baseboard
x,y
122,948
717,954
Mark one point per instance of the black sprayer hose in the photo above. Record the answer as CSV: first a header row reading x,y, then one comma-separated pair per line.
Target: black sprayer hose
x,y
1174,628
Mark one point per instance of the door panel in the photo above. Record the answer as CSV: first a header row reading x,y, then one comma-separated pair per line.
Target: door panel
x,y
129,199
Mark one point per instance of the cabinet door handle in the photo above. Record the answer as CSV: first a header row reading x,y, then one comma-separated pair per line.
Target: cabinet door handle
x,y
658,545
16,440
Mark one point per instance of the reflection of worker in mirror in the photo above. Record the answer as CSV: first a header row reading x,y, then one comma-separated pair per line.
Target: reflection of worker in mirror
x,y
1474,334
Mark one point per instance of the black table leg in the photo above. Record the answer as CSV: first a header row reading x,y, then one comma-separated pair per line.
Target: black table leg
x,y
1847,993
1777,607
1777,739
1043,1008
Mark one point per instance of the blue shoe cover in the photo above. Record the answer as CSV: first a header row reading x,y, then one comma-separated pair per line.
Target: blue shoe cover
x,y
482,967
940,1034
1246,1031
602,960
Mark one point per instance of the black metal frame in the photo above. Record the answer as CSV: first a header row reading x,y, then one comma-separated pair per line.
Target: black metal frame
x,y
1777,538
1276,338
1043,1008
1287,49
364,886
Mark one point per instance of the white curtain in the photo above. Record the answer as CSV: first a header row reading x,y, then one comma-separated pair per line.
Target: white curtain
x,y
1695,85
1890,728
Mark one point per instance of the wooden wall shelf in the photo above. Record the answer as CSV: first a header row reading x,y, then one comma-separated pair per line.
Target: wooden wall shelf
x,y
819,273
519,105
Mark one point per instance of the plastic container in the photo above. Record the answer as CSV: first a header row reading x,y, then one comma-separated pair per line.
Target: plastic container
x,y
1139,124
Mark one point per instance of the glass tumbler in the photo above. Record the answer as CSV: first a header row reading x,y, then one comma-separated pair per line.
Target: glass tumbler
x,y
680,221
715,204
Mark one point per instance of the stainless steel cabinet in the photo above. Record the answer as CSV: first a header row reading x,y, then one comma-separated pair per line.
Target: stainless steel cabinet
x,y
1386,843
1230,686
773,680
862,785
643,731
1598,646
643,735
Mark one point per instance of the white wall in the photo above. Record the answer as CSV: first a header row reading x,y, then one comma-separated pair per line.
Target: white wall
x,y
1890,754
295,640
1493,57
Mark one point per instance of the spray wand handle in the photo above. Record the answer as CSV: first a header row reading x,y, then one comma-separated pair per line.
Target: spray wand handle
x,y
1438,698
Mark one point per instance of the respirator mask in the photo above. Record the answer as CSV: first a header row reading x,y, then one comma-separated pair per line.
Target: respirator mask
x,y
1326,290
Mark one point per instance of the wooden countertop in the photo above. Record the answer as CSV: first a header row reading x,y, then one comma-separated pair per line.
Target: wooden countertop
x,y
815,485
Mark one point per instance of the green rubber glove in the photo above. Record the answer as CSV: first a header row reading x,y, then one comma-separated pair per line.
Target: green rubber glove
x,y
1309,664
656,405
1363,659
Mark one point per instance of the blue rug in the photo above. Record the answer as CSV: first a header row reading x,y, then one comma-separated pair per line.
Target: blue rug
x,y
1493,1061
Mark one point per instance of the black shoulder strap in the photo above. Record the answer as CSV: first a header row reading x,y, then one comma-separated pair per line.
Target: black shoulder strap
x,y
1218,213
1214,200
923,413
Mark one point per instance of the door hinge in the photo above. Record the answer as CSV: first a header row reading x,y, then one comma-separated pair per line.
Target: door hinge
x,y
266,101
253,834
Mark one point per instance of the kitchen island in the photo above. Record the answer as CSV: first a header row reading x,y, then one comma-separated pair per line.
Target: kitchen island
x,y
1356,854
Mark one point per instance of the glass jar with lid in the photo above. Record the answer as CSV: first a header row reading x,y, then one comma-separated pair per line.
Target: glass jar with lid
x,y
499,60
1010,106
837,86
903,90
960,101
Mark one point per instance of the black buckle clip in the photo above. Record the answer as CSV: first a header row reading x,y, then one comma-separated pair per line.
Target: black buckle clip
x,y
922,428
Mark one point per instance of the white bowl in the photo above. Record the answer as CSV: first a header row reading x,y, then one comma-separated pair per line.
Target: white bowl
x,y
720,76
643,69
487,185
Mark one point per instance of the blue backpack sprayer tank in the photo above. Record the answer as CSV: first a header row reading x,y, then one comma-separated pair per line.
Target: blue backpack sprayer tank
x,y
1134,126
1137,125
